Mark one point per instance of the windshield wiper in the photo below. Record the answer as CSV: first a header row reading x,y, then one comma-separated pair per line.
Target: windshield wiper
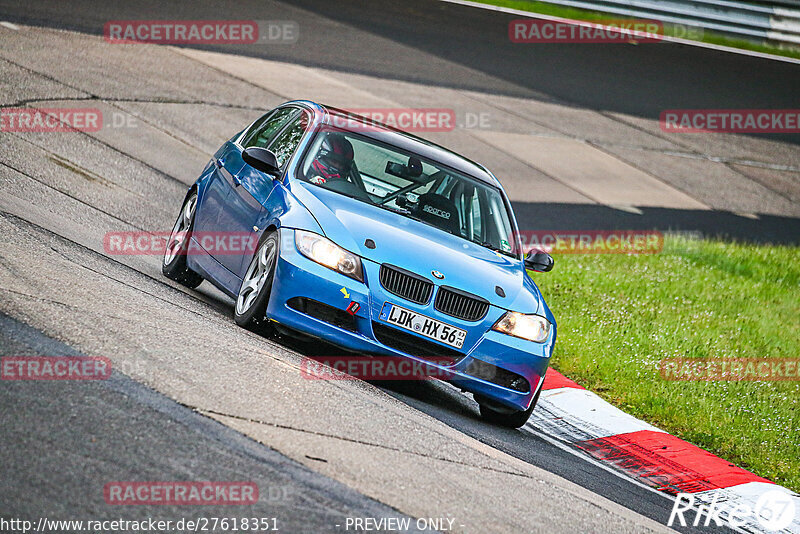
x,y
406,212
401,211
493,248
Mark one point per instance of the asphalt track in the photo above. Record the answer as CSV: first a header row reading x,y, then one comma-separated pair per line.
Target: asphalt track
x,y
47,241
640,80
451,46
73,438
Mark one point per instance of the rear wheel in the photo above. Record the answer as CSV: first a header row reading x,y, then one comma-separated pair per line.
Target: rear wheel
x,y
174,265
253,297
502,416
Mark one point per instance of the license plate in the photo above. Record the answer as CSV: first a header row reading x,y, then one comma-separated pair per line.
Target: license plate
x,y
423,325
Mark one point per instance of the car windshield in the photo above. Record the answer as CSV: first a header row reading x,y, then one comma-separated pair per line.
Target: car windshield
x,y
363,169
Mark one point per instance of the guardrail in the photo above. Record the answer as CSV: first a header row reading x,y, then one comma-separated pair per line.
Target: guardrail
x,y
777,21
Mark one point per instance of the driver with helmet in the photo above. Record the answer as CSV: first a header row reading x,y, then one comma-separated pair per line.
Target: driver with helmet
x,y
333,161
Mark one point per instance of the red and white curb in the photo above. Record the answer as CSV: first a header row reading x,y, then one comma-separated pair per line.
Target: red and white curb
x,y
650,456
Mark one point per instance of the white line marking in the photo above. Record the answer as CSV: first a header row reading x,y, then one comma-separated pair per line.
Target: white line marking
x,y
577,453
574,414
571,449
9,25
528,428
747,215
627,209
747,492
664,38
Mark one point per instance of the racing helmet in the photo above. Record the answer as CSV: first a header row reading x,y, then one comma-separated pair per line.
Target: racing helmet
x,y
334,158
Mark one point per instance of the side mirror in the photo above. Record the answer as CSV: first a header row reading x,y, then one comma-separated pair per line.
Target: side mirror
x,y
539,261
262,160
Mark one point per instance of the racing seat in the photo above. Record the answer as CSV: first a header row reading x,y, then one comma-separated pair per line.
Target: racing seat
x,y
439,211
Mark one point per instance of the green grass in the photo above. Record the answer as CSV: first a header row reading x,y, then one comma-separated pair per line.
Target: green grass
x,y
708,36
619,315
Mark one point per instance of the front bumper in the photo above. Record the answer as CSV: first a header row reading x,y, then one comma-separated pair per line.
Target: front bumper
x,y
297,277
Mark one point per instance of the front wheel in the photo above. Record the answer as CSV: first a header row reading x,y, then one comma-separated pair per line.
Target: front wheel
x,y
253,297
174,265
502,416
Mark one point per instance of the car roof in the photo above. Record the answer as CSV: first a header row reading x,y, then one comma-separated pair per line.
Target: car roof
x,y
402,140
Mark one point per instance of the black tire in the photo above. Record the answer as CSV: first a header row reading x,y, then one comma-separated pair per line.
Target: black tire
x,y
501,416
173,265
251,302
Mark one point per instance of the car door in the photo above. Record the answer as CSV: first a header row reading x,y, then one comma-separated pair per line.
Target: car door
x,y
212,202
213,216
251,188
239,207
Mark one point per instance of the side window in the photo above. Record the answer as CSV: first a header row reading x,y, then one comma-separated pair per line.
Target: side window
x,y
265,129
285,144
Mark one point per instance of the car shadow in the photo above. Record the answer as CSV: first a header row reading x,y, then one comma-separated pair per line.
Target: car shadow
x,y
449,45
436,396
772,229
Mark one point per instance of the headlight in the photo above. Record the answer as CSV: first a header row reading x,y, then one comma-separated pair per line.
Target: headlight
x,y
530,327
326,252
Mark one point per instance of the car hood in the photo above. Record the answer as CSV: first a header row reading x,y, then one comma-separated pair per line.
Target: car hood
x,y
420,248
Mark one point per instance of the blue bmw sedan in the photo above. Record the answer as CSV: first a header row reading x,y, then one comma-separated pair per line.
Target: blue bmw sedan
x,y
376,241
